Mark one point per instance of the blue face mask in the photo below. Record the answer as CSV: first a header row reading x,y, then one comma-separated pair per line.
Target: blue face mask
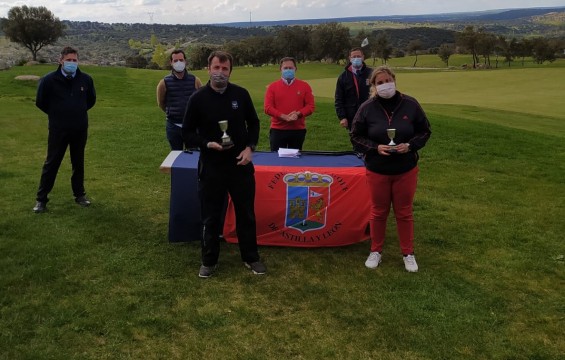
x,y
357,62
288,74
70,67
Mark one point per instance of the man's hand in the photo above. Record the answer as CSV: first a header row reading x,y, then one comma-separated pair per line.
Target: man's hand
x,y
293,116
215,146
343,122
245,156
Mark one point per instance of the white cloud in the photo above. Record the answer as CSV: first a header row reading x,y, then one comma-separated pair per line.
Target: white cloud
x,y
292,4
86,2
150,2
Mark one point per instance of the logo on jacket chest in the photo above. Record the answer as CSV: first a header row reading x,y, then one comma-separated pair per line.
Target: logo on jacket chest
x,y
234,105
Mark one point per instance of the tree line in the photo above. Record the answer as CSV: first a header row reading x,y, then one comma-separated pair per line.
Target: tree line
x,y
480,43
331,42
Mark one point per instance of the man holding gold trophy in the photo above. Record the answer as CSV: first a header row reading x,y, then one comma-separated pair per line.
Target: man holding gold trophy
x,y
221,120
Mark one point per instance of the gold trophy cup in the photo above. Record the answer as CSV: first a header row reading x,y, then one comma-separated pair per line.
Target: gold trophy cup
x,y
226,140
391,133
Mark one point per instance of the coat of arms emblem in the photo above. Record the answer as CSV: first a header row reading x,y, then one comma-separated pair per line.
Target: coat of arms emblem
x,y
307,200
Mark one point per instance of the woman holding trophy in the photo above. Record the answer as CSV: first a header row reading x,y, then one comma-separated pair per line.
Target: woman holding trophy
x,y
389,129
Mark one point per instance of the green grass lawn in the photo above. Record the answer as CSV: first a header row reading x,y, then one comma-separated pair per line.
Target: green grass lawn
x,y
104,283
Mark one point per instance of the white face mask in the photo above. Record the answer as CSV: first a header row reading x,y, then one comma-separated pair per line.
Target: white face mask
x,y
179,66
386,90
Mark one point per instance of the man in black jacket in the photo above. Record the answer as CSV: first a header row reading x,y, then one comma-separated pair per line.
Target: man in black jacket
x,y
352,88
224,166
65,95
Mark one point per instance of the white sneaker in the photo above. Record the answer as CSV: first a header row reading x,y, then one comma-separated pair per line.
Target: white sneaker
x,y
373,260
410,263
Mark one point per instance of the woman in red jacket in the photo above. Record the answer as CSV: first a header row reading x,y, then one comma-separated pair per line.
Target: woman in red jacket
x,y
388,130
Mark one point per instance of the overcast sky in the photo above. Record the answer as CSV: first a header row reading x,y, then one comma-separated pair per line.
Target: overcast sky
x,y
223,11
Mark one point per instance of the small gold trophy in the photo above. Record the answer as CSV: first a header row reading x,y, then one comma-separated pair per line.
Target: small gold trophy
x,y
391,134
226,140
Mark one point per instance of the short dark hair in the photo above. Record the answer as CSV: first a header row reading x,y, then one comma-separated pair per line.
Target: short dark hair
x,y
177,51
288,58
68,50
223,56
356,49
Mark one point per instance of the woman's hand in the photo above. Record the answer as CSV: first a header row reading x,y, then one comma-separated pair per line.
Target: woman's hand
x,y
402,148
386,150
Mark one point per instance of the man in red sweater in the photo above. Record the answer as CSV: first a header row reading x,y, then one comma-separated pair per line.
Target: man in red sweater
x,y
288,101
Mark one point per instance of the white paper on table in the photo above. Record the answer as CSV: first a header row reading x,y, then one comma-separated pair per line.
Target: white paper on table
x,y
289,153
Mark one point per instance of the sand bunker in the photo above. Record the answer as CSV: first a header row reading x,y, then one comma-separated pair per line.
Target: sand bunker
x,y
27,77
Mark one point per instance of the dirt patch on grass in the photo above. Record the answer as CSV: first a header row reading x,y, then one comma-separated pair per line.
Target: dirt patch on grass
x,y
27,77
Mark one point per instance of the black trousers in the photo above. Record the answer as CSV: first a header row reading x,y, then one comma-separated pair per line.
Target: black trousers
x,y
287,139
57,142
215,182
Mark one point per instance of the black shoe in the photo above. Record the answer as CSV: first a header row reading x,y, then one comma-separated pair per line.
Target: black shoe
x,y
82,201
257,267
206,271
40,207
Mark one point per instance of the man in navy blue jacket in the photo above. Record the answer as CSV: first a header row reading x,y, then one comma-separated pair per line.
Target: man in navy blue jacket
x,y
352,88
65,95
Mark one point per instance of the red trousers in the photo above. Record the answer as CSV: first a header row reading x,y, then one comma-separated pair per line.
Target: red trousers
x,y
399,191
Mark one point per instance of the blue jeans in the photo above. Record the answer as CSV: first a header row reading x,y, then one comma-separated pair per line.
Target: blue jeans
x,y
174,135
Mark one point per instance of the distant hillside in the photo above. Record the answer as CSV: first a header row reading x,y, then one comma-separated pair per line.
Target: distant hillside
x,y
486,16
518,14
107,44
216,34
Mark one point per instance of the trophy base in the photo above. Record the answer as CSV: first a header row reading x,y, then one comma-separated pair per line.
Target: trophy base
x,y
391,151
227,144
